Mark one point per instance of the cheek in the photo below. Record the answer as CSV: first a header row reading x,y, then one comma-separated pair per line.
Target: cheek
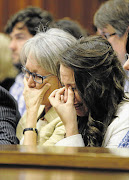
x,y
117,43
39,86
126,65
21,44
45,100
113,42
77,97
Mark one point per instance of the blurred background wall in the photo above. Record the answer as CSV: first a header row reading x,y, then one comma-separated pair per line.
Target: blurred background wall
x,y
80,10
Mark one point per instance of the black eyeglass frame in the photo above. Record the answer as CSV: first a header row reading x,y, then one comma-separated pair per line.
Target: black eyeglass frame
x,y
126,56
107,35
34,74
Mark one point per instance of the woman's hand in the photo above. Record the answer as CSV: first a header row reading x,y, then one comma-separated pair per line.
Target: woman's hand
x,y
34,97
65,110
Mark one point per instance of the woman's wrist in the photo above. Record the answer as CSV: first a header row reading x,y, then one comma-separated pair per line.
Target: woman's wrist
x,y
71,130
31,119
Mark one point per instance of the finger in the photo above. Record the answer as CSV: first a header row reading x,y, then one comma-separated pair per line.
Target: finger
x,y
53,93
62,98
55,97
59,93
70,96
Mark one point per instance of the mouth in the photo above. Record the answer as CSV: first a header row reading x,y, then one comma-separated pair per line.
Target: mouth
x,y
78,105
14,55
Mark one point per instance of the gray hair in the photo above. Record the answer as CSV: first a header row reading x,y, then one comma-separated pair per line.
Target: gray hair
x,y
115,13
46,48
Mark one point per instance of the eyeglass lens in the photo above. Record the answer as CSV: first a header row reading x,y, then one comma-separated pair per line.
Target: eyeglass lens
x,y
126,56
36,78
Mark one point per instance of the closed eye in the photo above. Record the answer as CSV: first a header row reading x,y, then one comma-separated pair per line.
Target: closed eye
x,y
62,85
73,89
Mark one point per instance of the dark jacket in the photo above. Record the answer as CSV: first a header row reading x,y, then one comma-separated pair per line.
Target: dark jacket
x,y
9,117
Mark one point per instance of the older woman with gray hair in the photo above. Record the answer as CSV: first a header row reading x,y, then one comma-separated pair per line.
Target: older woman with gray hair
x,y
112,22
40,59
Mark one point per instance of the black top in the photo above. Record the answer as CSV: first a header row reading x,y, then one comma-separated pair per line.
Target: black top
x,y
9,117
7,83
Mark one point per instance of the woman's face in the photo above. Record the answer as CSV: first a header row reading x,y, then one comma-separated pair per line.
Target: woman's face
x,y
118,43
34,67
67,79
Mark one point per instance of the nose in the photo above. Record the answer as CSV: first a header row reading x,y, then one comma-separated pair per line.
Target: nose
x,y
12,45
66,94
126,65
31,82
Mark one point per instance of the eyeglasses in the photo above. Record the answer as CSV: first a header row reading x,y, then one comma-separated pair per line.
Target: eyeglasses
x,y
126,56
107,35
36,77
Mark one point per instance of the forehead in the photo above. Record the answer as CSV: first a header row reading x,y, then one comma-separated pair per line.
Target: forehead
x,y
32,65
20,28
67,75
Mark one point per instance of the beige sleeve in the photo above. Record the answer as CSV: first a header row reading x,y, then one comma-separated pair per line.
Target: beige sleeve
x,y
51,133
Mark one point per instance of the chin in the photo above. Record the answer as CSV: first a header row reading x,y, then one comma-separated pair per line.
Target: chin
x,y
83,111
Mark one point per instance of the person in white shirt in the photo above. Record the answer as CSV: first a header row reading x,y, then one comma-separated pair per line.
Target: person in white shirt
x,y
92,104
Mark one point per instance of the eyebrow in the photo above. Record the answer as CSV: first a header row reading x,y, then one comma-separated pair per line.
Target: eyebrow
x,y
19,34
34,71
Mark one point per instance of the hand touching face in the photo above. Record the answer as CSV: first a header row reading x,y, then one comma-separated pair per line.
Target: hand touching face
x,y
68,80
33,67
34,97
65,110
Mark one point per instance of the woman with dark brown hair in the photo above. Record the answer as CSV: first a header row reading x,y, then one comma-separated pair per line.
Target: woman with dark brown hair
x,y
92,103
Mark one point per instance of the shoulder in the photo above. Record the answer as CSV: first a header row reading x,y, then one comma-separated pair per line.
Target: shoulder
x,y
121,121
123,109
5,96
8,105
119,127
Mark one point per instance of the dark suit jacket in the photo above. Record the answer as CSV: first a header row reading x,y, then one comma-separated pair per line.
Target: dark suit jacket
x,y
9,117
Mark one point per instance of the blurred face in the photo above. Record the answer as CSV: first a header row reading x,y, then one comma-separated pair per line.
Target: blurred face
x,y
118,43
67,79
19,36
33,67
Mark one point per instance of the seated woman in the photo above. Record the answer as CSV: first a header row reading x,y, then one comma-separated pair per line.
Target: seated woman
x,y
92,103
40,58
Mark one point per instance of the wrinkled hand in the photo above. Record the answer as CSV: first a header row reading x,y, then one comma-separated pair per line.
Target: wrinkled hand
x,y
65,110
34,97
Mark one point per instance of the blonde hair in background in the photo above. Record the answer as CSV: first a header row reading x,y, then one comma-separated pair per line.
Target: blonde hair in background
x,y
7,70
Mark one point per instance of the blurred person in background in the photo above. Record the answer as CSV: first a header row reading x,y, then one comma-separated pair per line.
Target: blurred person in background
x,y
21,27
7,71
71,26
112,22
